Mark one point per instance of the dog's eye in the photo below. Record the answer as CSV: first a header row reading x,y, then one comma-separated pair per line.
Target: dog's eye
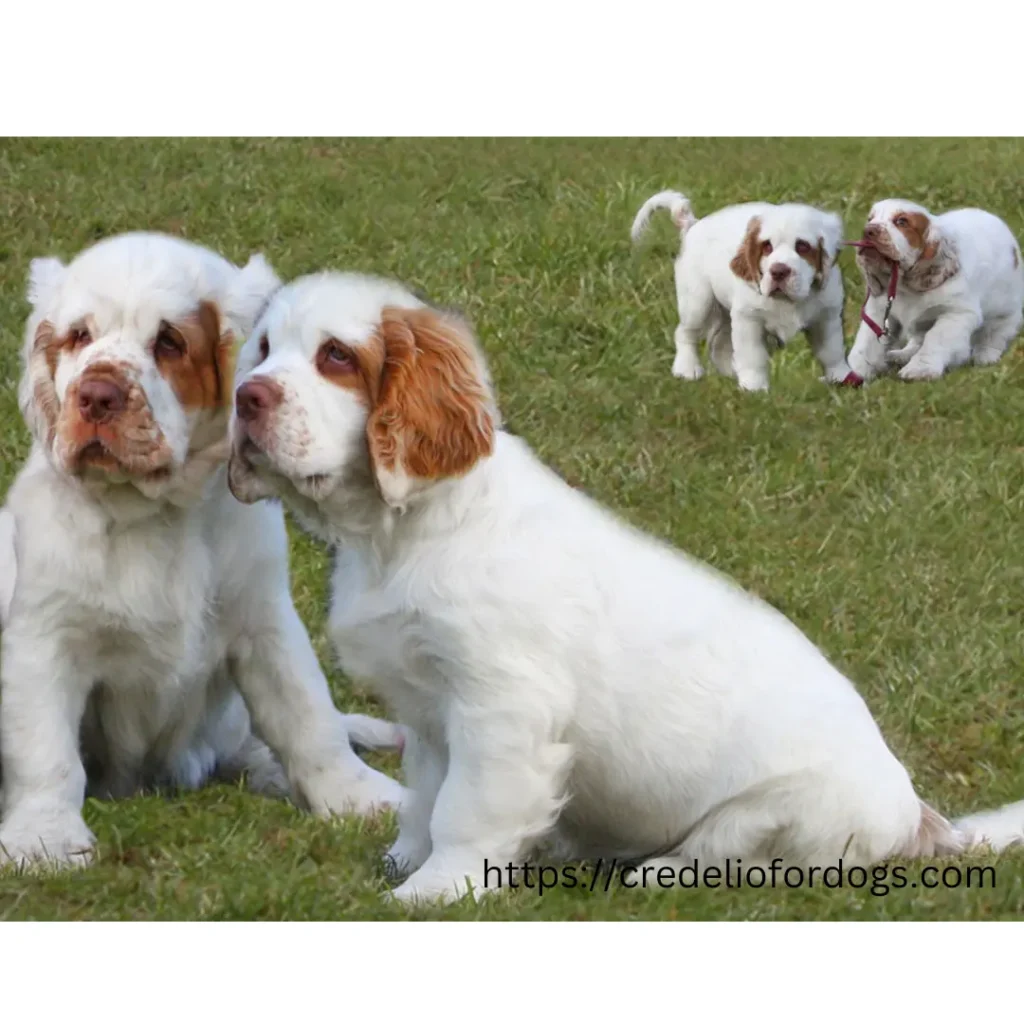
x,y
264,349
80,336
335,358
901,221
766,248
167,344
803,248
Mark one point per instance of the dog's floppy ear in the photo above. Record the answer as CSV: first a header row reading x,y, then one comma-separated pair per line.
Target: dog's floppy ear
x,y
938,262
37,394
829,242
746,264
248,295
434,416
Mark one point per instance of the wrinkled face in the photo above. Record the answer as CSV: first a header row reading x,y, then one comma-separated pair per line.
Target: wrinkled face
x,y
899,231
788,251
129,358
349,382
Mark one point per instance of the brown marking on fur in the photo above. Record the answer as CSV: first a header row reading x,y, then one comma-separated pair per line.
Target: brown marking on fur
x,y
816,257
361,374
433,415
746,264
132,441
915,231
43,368
201,373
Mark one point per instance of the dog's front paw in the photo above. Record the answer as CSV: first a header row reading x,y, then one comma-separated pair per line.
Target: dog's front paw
x,y
686,366
752,381
921,369
434,887
863,367
406,856
57,839
362,792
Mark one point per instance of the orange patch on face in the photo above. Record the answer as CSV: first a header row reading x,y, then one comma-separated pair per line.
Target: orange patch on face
x,y
914,231
746,264
195,358
357,368
432,415
814,255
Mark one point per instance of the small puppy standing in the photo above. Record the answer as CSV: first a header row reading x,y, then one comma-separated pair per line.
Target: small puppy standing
x,y
146,614
568,680
750,271
959,290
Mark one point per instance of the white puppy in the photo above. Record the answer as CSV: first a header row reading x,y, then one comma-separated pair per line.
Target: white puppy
x,y
146,614
750,271
565,677
959,290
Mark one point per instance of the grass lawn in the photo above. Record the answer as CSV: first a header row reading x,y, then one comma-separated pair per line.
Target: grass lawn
x,y
887,523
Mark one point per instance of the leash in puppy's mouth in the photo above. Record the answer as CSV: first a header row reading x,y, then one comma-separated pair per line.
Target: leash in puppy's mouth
x,y
882,331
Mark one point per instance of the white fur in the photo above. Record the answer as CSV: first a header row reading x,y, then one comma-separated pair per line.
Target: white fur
x,y
734,314
145,620
566,679
970,317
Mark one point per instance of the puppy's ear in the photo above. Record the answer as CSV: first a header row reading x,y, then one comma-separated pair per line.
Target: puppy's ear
x,y
247,298
434,416
37,394
829,243
938,261
746,264
44,276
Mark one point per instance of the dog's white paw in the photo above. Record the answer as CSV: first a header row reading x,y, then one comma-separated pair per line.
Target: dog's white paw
x,y
687,367
363,791
56,839
434,887
919,369
406,856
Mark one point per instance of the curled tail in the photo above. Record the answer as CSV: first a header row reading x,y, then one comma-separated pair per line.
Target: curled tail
x,y
675,202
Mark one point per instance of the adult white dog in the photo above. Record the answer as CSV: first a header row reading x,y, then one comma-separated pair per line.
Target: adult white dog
x,y
566,678
752,271
146,614
959,290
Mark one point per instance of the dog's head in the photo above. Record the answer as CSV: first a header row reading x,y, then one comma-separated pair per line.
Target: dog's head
x,y
901,232
788,251
128,357
350,381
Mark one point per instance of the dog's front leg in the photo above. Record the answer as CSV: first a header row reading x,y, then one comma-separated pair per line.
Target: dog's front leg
x,y
290,703
867,357
503,790
946,345
44,694
825,336
749,355
423,765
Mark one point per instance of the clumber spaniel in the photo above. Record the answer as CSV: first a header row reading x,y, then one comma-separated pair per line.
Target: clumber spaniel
x,y
959,294
750,271
567,680
145,613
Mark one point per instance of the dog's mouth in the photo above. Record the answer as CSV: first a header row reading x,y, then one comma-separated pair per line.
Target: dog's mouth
x,y
253,461
96,456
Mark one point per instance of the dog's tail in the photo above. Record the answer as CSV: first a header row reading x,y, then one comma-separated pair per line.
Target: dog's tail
x,y
995,830
677,205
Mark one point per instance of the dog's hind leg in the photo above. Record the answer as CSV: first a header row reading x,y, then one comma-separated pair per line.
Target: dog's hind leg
x,y
992,339
695,303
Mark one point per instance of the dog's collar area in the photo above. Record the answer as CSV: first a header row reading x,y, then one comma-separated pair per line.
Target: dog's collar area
x,y
879,331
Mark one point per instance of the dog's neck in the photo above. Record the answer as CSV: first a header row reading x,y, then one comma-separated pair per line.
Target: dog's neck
x,y
355,514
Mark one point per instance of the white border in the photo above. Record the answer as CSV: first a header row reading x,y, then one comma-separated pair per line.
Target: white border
x,y
535,67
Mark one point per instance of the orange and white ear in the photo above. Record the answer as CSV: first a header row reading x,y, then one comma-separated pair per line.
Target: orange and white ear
x,y
434,416
248,295
937,264
37,393
829,243
746,264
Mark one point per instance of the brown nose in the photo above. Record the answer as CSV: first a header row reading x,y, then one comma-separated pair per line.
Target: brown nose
x,y
779,271
255,398
871,231
100,400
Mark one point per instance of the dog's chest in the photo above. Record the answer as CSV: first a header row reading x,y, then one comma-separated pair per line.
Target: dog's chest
x,y
150,608
783,320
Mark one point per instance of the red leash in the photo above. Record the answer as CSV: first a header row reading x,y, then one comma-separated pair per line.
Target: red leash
x,y
879,332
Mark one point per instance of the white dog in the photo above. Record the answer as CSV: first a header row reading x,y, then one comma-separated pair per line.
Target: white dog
x,y
566,678
145,612
959,290
750,271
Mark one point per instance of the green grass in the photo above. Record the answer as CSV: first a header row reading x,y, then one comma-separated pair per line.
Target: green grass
x,y
887,523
